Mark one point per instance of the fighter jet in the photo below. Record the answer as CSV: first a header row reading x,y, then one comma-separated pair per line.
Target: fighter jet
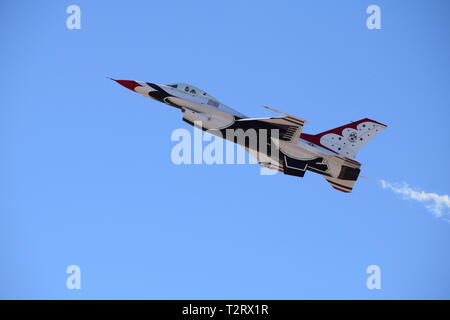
x,y
330,153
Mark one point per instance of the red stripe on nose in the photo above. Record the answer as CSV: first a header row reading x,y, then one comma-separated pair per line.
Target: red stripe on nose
x,y
129,84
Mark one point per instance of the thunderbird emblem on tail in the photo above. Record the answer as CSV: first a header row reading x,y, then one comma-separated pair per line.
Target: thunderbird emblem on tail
x,y
328,153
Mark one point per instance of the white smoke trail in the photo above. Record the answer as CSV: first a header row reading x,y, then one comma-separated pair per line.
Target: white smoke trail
x,y
438,205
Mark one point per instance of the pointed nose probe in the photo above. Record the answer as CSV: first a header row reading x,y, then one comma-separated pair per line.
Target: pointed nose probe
x,y
129,84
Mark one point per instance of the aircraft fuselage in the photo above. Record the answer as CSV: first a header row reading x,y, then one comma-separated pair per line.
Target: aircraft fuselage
x,y
297,152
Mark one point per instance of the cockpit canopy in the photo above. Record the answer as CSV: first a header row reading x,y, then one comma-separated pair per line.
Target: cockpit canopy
x,y
190,89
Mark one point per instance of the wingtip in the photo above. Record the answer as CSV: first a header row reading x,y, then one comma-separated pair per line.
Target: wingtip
x,y
284,113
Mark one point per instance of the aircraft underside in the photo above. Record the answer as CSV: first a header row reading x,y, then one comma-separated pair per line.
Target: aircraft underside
x,y
277,142
340,173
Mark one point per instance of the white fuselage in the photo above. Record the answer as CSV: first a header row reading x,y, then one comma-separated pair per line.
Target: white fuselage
x,y
325,153
213,115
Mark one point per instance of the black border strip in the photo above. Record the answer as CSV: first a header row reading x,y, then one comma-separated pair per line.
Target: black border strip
x,y
339,185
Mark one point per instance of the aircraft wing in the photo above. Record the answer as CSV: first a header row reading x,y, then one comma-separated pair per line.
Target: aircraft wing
x,y
289,126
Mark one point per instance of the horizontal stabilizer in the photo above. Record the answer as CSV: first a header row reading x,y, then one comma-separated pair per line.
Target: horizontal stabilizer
x,y
348,174
340,184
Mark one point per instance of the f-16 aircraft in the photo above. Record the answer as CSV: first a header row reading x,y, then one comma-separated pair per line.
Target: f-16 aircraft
x,y
328,153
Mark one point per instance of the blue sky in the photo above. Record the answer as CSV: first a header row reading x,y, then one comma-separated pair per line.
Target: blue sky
x,y
87,177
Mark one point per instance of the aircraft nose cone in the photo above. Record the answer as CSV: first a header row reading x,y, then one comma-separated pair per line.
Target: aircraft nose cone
x,y
129,84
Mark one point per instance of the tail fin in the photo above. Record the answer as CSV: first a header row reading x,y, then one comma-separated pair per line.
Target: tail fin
x,y
346,140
